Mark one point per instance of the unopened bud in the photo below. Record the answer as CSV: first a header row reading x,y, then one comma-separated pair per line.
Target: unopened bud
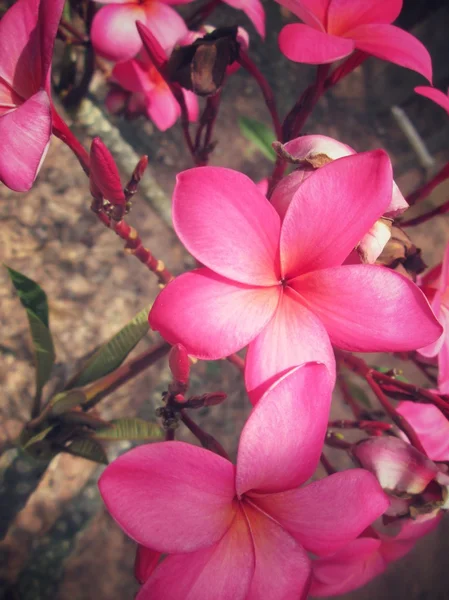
x,y
104,175
178,361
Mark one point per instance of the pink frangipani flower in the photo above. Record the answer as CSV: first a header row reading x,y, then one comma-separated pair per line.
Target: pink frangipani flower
x,y
431,426
241,533
281,287
311,152
437,96
435,285
332,29
140,77
27,35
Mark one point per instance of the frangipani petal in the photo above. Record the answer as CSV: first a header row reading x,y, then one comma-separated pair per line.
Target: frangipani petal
x,y
131,76
344,15
227,224
25,135
308,146
437,96
368,308
395,45
398,466
312,12
253,10
165,23
282,567
235,313
50,12
222,571
145,563
293,336
350,568
281,442
327,514
170,496
430,425
332,210
305,44
162,107
114,33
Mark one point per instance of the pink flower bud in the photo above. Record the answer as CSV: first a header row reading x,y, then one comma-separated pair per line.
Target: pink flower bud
x,y
104,175
178,361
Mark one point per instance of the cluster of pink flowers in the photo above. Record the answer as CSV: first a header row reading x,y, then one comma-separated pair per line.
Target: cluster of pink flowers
x,y
289,278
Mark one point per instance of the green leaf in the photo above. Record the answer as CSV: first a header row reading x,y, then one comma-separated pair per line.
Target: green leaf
x,y
65,401
38,437
130,429
359,394
34,299
111,355
260,135
87,448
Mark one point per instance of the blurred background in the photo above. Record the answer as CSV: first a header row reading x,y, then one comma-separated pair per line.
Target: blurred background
x,y
63,545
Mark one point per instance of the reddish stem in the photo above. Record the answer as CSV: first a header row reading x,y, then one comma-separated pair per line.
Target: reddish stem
x,y
439,210
62,131
330,469
428,187
206,440
347,396
236,361
360,424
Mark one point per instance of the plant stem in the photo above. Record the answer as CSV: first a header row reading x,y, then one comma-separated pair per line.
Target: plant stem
x,y
347,396
428,187
206,440
439,210
62,131
238,362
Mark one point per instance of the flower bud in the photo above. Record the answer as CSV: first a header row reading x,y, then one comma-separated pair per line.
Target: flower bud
x,y
178,361
104,176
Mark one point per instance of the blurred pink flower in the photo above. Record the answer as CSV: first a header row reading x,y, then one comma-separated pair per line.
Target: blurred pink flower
x,y
365,558
241,533
287,300
314,151
150,92
435,285
332,29
437,96
27,34
431,426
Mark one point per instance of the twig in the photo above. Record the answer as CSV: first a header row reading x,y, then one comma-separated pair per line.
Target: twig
x,y
238,362
428,187
439,210
206,440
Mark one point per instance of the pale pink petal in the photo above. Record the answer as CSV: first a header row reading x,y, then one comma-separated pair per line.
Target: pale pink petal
x,y
398,466
344,15
374,241
170,496
279,450
436,348
223,571
193,108
262,185
443,357
327,514
312,12
114,33
283,569
293,336
350,568
431,426
162,107
210,316
227,224
165,24
253,10
304,44
145,563
437,96
395,45
369,308
398,203
332,210
25,135
308,146
286,189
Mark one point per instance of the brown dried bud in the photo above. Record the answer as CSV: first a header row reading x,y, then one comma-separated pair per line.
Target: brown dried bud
x,y
201,66
402,255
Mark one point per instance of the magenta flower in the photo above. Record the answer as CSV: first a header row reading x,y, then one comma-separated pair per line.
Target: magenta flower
x,y
365,558
114,33
281,287
435,285
242,533
150,93
437,96
314,151
431,426
27,35
332,29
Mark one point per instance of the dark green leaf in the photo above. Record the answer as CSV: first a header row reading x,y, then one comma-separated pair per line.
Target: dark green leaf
x,y
38,437
65,401
260,135
34,299
111,355
87,448
130,429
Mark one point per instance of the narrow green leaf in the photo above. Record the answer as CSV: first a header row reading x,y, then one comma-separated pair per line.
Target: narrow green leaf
x,y
34,299
260,135
111,355
130,429
65,401
87,448
359,394
38,437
